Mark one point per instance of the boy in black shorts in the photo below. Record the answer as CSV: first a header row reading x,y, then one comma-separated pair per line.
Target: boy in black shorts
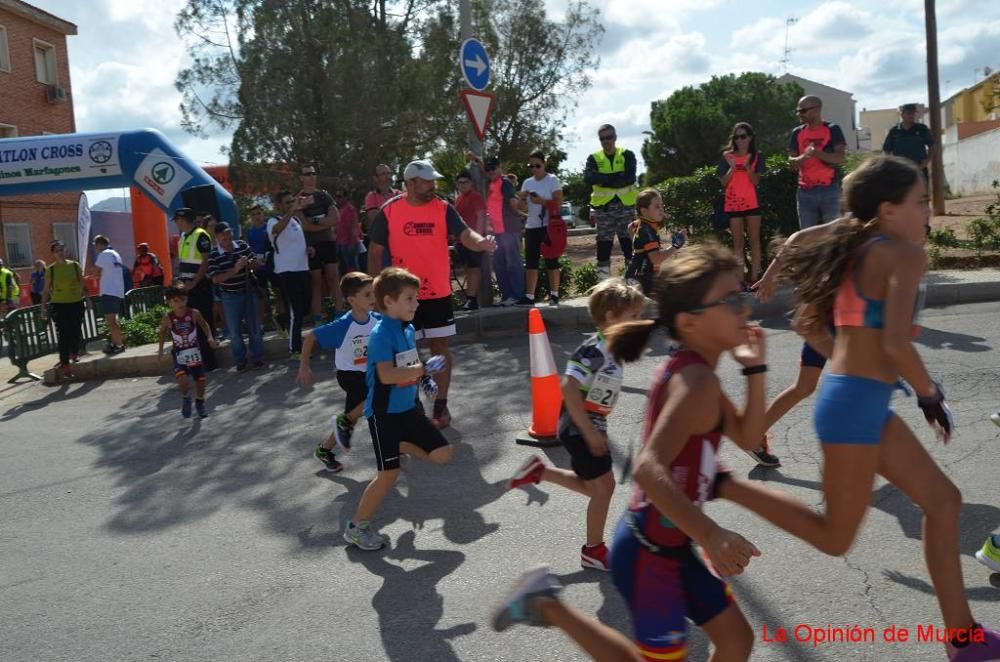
x,y
590,389
396,423
181,324
347,336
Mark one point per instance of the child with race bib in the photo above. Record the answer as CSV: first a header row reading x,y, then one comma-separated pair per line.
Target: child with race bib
x,y
396,421
347,336
590,387
181,324
647,254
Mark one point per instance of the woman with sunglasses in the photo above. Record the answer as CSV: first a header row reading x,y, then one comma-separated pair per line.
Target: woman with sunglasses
x,y
739,170
536,193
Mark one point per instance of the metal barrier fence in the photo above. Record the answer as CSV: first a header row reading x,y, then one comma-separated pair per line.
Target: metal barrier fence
x,y
30,337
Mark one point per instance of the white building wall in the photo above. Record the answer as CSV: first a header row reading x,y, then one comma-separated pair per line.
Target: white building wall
x,y
972,165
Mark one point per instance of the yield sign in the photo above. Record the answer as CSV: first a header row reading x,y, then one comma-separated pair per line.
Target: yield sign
x,y
479,105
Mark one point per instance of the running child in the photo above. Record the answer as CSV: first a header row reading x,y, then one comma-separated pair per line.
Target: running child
x,y
397,423
867,274
647,255
181,325
347,336
701,305
590,388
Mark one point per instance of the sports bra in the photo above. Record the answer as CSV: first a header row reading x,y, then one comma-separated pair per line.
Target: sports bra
x,y
852,308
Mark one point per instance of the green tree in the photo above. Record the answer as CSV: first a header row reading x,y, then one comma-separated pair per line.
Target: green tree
x,y
690,127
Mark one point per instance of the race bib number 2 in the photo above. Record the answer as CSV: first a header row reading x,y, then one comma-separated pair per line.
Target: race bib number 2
x,y
603,393
359,345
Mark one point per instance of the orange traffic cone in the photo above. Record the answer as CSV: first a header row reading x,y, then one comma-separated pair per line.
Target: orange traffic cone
x,y
546,394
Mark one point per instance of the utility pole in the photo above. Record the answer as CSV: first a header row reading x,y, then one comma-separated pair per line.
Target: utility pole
x,y
934,103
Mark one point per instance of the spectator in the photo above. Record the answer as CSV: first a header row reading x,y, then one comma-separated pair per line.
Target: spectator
x,y
146,270
506,221
910,139
415,228
348,233
536,192
230,267
381,194
472,208
208,222
610,171
739,170
291,264
319,221
65,290
37,282
193,249
9,289
108,264
260,244
815,149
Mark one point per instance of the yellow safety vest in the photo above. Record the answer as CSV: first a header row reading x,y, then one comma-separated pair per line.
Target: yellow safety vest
x,y
7,276
188,252
601,195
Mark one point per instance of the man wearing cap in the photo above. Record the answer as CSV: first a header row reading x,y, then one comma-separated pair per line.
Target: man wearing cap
x,y
415,228
193,249
611,173
146,270
910,139
229,267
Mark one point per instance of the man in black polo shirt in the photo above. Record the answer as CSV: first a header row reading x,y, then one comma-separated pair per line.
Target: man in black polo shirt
x,y
229,267
910,139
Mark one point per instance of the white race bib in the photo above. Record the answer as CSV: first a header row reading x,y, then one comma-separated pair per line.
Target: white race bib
x,y
190,356
359,347
408,359
603,393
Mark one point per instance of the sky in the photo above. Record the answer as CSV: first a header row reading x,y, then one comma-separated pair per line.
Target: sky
x,y
125,59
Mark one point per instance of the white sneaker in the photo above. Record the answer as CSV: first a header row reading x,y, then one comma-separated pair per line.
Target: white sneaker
x,y
996,419
509,301
604,272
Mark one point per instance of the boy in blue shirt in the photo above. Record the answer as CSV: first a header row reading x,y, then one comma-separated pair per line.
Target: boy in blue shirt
x,y
396,422
347,336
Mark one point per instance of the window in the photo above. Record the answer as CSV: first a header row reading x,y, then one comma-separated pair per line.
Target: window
x,y
45,63
8,131
66,233
17,236
4,51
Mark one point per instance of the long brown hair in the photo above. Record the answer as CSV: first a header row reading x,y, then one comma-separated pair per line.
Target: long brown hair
x,y
681,284
817,268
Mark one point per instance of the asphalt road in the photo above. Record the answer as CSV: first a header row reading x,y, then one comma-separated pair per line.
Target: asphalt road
x,y
129,533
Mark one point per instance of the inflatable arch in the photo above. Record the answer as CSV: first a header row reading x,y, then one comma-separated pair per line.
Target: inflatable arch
x,y
141,160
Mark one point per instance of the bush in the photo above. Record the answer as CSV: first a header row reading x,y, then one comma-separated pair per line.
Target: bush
x,y
944,238
982,233
143,328
585,277
565,278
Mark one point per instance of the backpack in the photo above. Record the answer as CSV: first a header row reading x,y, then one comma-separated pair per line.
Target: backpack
x,y
554,244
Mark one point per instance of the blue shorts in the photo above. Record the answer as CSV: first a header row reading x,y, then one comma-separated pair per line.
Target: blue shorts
x,y
111,305
663,593
852,410
197,372
811,358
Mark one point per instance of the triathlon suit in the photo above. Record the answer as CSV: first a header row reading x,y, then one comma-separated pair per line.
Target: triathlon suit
x,y
851,409
187,355
653,564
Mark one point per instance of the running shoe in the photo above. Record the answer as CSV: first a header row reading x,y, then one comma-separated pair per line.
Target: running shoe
x,y
604,272
471,304
362,537
108,348
74,358
530,472
342,431
242,367
328,459
295,356
763,455
996,419
521,603
989,555
116,349
186,407
595,557
553,299
980,649
199,405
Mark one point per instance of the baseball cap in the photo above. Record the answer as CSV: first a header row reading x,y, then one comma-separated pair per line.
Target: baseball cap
x,y
185,212
142,245
908,108
421,170
221,227
492,163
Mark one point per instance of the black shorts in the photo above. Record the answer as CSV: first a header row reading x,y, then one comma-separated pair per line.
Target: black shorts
x,y
413,427
266,279
585,465
435,318
467,258
355,385
324,252
533,238
743,214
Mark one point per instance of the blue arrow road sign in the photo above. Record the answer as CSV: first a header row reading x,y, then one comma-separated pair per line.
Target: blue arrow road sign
x,y
475,64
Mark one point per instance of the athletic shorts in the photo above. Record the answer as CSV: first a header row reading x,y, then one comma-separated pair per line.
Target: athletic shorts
x,y
533,239
743,213
324,252
435,318
811,358
585,465
663,593
467,258
197,372
851,410
111,305
355,385
413,427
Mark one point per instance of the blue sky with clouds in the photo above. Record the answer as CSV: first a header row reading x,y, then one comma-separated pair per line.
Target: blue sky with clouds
x,y
125,58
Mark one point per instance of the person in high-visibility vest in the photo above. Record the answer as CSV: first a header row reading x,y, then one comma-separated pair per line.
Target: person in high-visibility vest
x,y
9,289
193,250
610,171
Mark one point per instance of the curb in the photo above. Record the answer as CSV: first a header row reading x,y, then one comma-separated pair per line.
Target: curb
x,y
497,322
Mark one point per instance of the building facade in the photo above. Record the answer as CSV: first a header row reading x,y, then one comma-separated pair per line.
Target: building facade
x,y
36,99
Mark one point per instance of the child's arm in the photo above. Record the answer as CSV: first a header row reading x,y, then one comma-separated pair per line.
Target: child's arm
x,y
573,399
200,321
390,374
164,332
691,408
305,377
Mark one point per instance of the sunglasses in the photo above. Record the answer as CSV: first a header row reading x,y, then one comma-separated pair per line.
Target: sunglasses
x,y
737,302
741,136
534,166
800,111
606,138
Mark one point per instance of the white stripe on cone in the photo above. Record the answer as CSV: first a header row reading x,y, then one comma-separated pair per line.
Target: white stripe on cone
x,y
542,363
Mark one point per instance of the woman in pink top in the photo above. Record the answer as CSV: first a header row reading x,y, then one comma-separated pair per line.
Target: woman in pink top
x,y
739,170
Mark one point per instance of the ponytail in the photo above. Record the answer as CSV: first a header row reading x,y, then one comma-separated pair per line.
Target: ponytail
x,y
628,340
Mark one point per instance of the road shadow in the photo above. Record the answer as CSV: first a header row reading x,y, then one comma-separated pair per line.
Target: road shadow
x,y
65,391
960,342
409,605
